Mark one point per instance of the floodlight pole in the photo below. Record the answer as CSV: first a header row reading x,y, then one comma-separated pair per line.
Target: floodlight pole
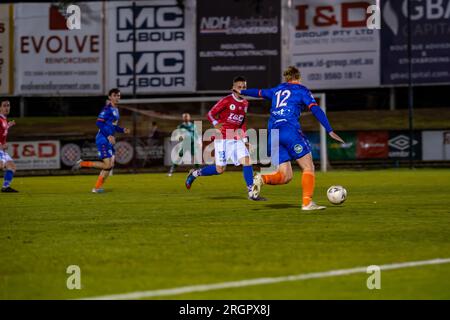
x,y
134,90
410,89
323,139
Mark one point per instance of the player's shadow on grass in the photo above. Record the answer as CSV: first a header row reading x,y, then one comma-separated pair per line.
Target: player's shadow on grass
x,y
226,198
282,206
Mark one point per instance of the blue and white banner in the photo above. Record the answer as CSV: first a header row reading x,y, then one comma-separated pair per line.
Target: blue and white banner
x,y
165,46
430,38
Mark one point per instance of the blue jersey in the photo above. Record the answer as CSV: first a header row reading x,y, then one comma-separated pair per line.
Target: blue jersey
x,y
107,123
288,101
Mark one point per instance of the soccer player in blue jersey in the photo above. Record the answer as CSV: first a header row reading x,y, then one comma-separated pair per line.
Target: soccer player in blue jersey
x,y
107,123
288,100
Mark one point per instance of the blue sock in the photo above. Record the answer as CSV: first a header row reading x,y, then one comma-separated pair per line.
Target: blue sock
x,y
248,175
9,174
208,171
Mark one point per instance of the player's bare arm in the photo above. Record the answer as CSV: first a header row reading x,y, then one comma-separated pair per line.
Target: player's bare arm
x,y
112,139
218,126
336,137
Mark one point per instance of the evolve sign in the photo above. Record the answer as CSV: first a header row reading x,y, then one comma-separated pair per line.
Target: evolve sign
x,y
53,59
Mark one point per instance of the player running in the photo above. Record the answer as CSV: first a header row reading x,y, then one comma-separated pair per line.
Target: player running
x,y
6,162
229,116
107,123
287,101
191,130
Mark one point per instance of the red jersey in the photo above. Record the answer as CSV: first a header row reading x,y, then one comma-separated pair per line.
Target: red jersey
x,y
231,112
3,129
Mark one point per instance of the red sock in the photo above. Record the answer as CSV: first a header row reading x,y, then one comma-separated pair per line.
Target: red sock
x,y
308,181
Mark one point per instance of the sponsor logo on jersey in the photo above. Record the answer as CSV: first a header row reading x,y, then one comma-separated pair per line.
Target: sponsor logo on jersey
x,y
236,117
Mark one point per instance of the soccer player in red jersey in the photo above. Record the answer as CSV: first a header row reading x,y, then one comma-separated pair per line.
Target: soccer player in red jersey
x,y
6,162
229,117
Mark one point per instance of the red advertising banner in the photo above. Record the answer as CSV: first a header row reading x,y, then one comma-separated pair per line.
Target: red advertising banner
x,y
372,145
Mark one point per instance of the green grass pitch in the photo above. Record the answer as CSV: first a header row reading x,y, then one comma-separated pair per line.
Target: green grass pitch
x,y
148,232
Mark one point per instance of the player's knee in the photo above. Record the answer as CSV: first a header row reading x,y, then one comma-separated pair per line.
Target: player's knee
x,y
287,178
246,161
11,166
308,168
220,169
107,166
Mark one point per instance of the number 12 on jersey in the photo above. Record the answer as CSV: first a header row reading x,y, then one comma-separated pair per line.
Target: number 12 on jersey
x,y
282,97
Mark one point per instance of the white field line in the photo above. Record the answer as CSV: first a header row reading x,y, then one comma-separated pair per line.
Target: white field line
x,y
262,281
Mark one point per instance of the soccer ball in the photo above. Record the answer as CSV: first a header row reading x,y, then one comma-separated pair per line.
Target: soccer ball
x,y
336,194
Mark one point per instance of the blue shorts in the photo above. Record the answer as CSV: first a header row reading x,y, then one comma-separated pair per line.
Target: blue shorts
x,y
292,145
105,150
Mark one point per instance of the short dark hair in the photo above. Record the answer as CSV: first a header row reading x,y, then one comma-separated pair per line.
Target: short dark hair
x,y
6,100
113,90
239,78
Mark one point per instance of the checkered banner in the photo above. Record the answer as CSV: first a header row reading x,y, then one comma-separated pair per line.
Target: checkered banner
x,y
149,152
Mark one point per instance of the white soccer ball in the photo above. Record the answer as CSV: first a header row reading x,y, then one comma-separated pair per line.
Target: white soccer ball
x,y
336,194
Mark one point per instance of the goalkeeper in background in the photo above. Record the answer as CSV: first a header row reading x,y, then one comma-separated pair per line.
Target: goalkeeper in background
x,y
190,129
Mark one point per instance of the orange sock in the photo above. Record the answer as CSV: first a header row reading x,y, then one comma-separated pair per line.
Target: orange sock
x,y
274,178
86,164
308,180
100,182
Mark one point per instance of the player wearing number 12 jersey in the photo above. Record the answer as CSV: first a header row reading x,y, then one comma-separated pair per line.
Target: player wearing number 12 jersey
x,y
288,100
